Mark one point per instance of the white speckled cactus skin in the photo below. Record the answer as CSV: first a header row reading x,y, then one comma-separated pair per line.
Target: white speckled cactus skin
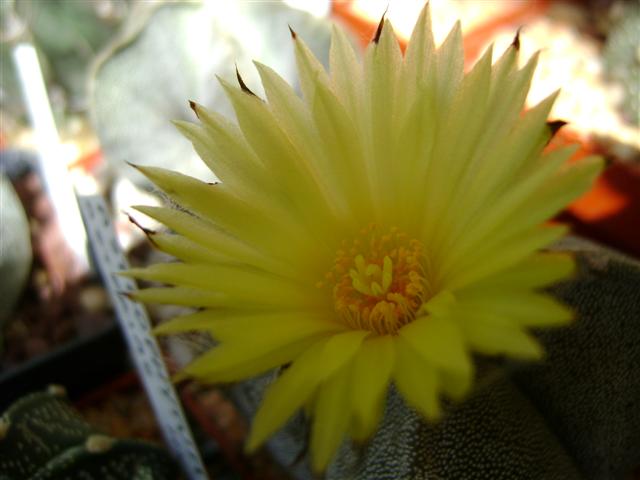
x,y
43,438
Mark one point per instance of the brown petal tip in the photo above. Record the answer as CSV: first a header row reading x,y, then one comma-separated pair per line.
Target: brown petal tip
x,y
516,40
137,167
243,85
148,232
294,35
555,126
376,37
194,107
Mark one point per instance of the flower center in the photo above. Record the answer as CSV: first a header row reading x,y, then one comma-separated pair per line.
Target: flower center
x,y
379,280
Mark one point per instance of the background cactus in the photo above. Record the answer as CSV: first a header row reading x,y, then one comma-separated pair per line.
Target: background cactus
x,y
43,438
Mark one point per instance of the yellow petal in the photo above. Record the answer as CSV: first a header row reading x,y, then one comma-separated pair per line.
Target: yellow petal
x,y
491,259
511,159
220,206
525,309
267,337
382,66
292,390
346,72
571,182
187,323
455,385
340,349
183,296
507,95
538,270
343,147
492,335
419,57
503,69
417,380
287,393
310,70
251,287
450,64
272,327
220,145
509,90
415,146
187,250
229,363
439,341
295,119
210,237
331,417
489,220
467,112
372,369
298,182
521,147
243,326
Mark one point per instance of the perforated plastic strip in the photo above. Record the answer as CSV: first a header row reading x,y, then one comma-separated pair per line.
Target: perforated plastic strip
x,y
134,322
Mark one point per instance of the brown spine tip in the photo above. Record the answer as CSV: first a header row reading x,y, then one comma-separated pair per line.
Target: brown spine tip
x,y
294,35
516,40
555,126
194,107
145,230
132,165
243,85
376,37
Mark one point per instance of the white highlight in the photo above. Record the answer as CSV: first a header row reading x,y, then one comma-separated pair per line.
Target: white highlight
x,y
53,164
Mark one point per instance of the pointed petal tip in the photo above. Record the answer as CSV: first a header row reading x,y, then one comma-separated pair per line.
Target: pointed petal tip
x,y
572,316
194,106
179,377
259,65
148,232
434,414
294,35
243,86
178,123
161,329
129,273
129,295
376,37
252,444
555,125
516,40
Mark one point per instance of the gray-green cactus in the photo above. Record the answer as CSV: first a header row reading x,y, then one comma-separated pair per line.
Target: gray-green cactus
x,y
43,438
15,249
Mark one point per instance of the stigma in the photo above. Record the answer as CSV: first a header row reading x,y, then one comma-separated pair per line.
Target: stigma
x,y
378,280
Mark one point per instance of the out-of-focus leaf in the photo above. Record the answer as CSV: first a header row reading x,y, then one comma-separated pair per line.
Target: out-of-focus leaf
x,y
147,78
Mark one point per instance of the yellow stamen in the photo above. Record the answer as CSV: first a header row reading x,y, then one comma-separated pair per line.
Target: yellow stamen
x,y
379,280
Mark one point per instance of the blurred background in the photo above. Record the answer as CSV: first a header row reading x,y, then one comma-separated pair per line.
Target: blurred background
x,y
87,86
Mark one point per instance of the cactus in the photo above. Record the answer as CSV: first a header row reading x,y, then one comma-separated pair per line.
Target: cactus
x,y
43,438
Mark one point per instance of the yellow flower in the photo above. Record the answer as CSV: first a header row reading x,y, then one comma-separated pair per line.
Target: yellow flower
x,y
380,230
